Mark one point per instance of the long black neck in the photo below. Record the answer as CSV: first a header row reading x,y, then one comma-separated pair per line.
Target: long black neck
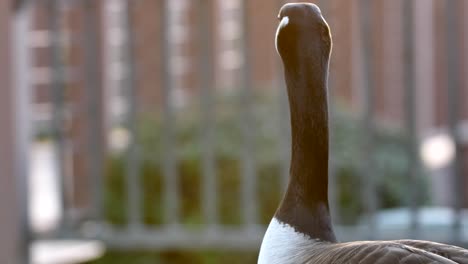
x,y
305,204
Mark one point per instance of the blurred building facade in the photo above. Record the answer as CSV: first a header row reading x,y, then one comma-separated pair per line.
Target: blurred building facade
x,y
110,76
347,78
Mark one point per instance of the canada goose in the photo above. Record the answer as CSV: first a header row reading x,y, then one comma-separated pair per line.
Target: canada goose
x,y
301,229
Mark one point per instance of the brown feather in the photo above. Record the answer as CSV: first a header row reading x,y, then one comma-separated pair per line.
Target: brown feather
x,y
385,252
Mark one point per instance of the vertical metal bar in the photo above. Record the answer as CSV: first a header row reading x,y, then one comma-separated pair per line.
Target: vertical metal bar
x,y
410,105
210,196
325,6
94,100
453,83
249,200
284,129
171,197
58,100
369,197
24,131
133,153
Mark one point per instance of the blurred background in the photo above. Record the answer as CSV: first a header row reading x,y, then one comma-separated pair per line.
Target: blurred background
x,y
152,131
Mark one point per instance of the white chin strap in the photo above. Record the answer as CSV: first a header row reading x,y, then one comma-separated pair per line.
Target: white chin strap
x,y
284,22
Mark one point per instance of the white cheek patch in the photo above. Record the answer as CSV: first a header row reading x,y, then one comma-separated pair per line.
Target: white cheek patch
x,y
284,22
284,245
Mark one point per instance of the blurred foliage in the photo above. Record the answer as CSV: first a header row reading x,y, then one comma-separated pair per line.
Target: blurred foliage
x,y
389,160
390,163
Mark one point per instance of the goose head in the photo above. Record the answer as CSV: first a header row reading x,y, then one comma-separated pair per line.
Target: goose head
x,y
302,32
304,43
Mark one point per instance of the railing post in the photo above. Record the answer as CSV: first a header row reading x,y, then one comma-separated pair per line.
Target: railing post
x,y
57,90
16,133
284,122
410,101
169,162
134,182
453,85
368,167
206,39
94,111
249,200
333,188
